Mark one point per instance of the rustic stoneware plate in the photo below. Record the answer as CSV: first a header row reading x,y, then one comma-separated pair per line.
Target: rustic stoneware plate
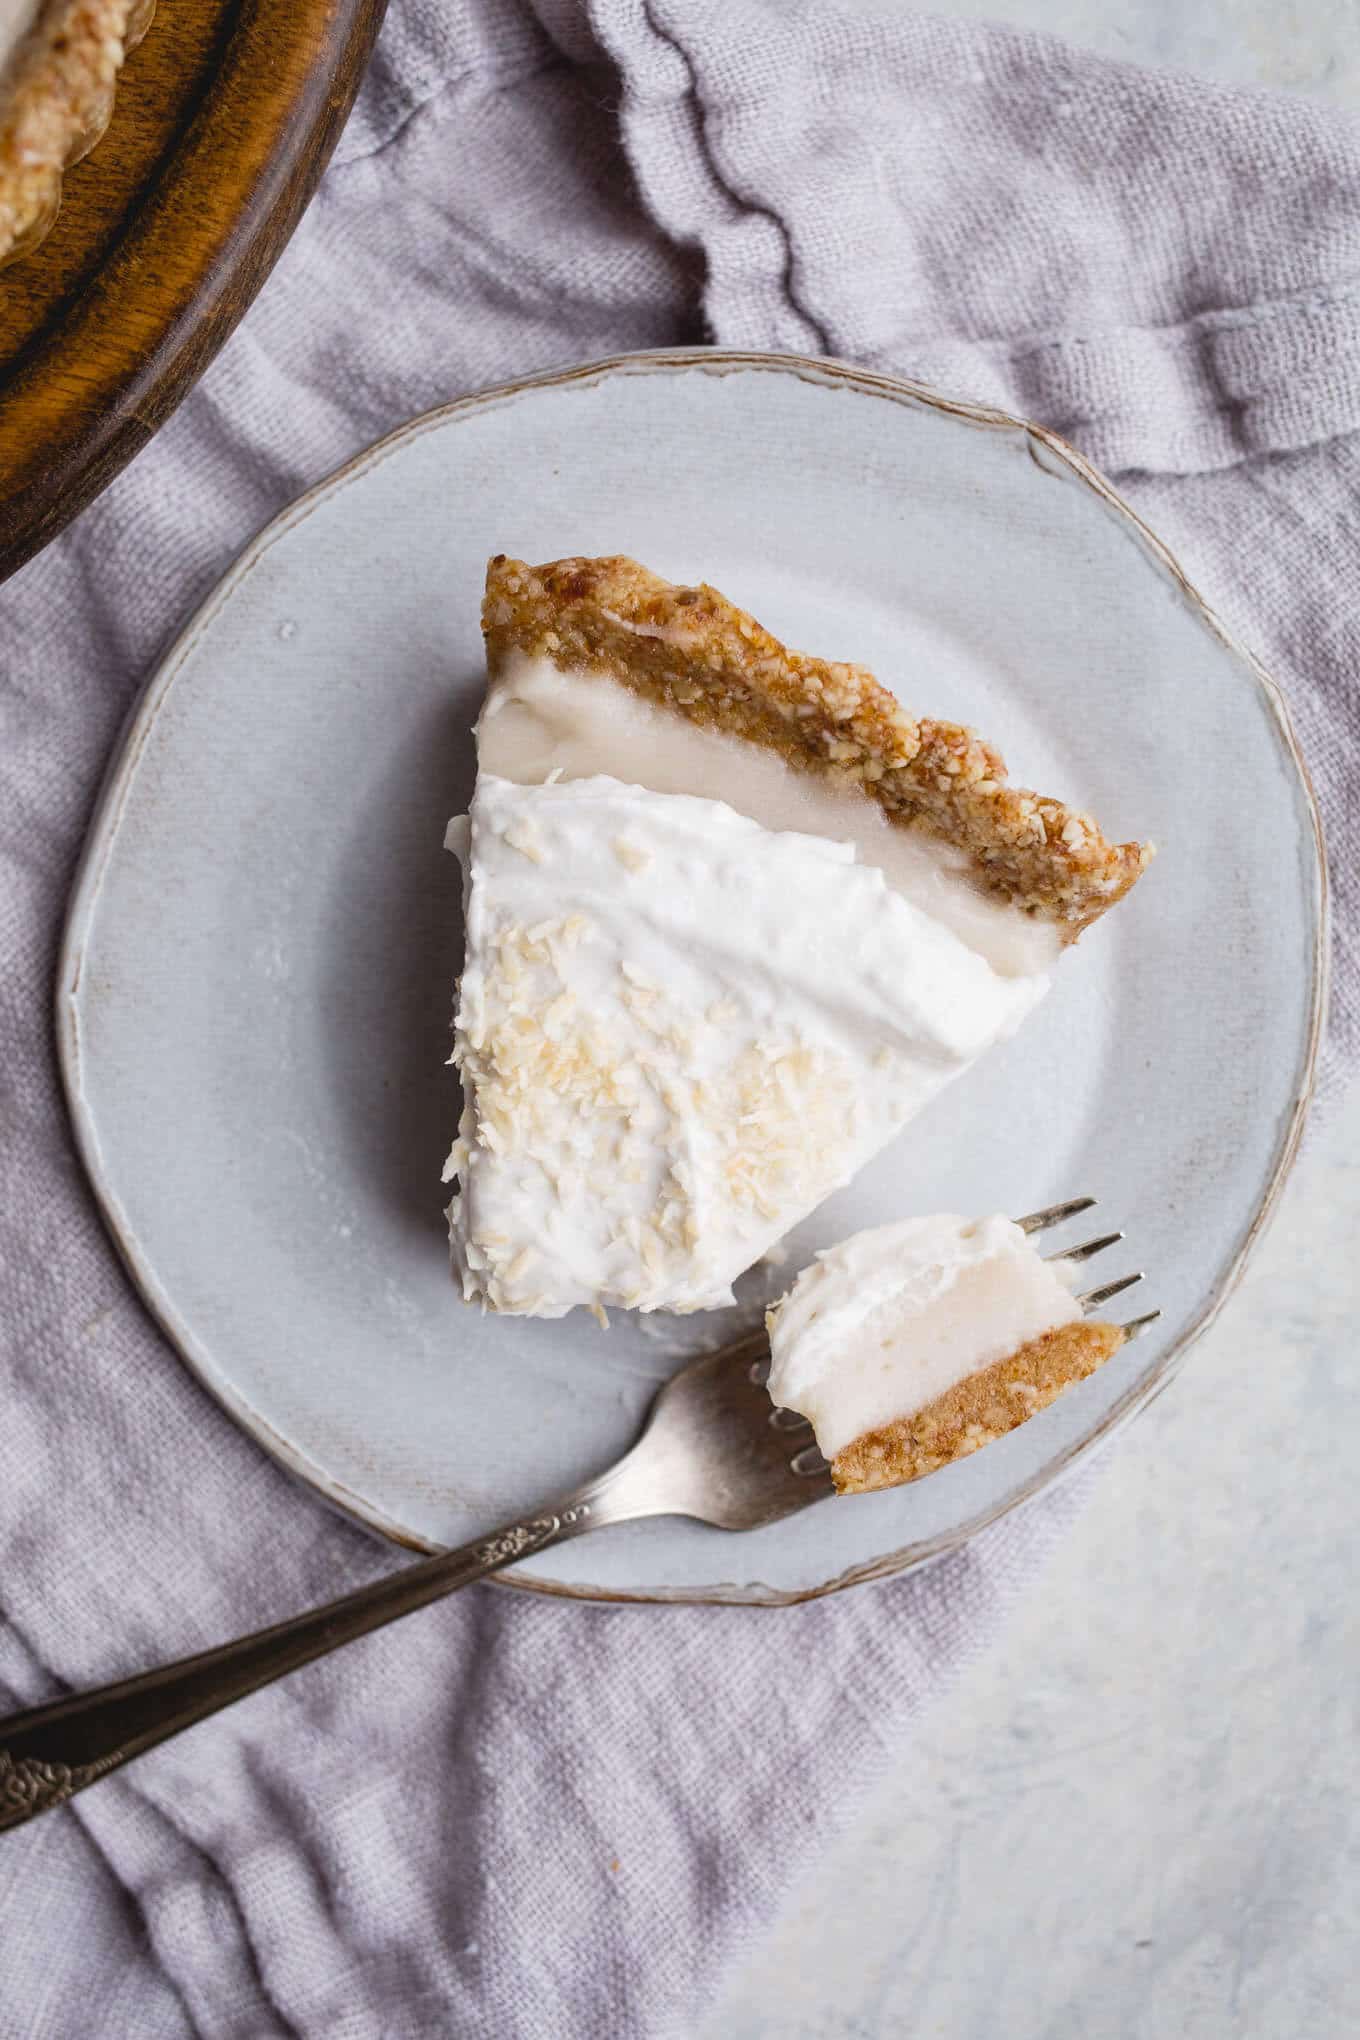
x,y
255,992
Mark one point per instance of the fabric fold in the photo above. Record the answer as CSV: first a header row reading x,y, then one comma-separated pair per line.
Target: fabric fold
x,y
1167,272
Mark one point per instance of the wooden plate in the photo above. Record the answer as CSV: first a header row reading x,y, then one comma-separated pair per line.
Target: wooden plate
x,y
225,118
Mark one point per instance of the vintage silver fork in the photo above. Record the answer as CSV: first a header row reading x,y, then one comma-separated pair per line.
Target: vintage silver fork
x,y
712,1448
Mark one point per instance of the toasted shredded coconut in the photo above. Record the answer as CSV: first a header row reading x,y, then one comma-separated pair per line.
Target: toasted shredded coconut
x,y
559,1086
632,856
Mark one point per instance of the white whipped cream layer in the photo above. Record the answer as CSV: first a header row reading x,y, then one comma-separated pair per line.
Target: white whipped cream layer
x,y
882,1325
538,719
680,1030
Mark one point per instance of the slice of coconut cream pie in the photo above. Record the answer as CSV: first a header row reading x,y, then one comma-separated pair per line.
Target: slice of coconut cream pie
x,y
732,916
917,1343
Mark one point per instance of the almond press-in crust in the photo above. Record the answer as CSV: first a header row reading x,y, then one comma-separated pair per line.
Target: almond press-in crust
x,y
693,651
975,1411
56,94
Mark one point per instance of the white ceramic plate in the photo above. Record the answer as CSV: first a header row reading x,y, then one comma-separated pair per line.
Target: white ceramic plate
x,y
254,998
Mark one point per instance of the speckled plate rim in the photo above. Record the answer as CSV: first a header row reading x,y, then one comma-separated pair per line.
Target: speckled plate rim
x,y
1049,451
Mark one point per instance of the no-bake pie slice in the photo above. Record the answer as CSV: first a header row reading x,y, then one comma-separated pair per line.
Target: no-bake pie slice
x,y
914,1344
733,916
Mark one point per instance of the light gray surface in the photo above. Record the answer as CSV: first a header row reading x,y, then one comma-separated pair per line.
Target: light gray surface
x,y
1308,46
1138,1819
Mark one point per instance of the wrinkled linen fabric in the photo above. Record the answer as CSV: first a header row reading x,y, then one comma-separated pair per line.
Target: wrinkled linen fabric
x,y
510,1817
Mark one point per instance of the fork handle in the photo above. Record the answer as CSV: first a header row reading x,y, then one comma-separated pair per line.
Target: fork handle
x,y
48,1753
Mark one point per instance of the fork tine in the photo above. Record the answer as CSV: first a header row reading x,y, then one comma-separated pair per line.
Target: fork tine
x,y
1054,1215
810,1461
1087,1248
1137,1326
1095,1296
789,1420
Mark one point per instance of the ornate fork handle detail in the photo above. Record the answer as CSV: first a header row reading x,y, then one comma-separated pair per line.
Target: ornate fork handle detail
x,y
521,1538
31,1786
48,1753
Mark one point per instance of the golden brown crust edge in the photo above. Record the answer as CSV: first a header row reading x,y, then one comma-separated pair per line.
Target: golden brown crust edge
x,y
55,100
698,654
976,1411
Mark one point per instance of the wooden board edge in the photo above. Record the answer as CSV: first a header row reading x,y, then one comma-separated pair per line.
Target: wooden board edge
x,y
97,387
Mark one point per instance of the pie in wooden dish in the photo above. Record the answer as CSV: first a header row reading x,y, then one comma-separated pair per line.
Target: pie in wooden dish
x,y
733,916
59,65
915,1344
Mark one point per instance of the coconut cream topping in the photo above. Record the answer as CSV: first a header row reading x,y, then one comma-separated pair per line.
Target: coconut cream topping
x,y
678,1030
539,718
881,1326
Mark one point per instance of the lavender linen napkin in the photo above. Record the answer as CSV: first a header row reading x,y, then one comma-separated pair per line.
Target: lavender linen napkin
x,y
507,1817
